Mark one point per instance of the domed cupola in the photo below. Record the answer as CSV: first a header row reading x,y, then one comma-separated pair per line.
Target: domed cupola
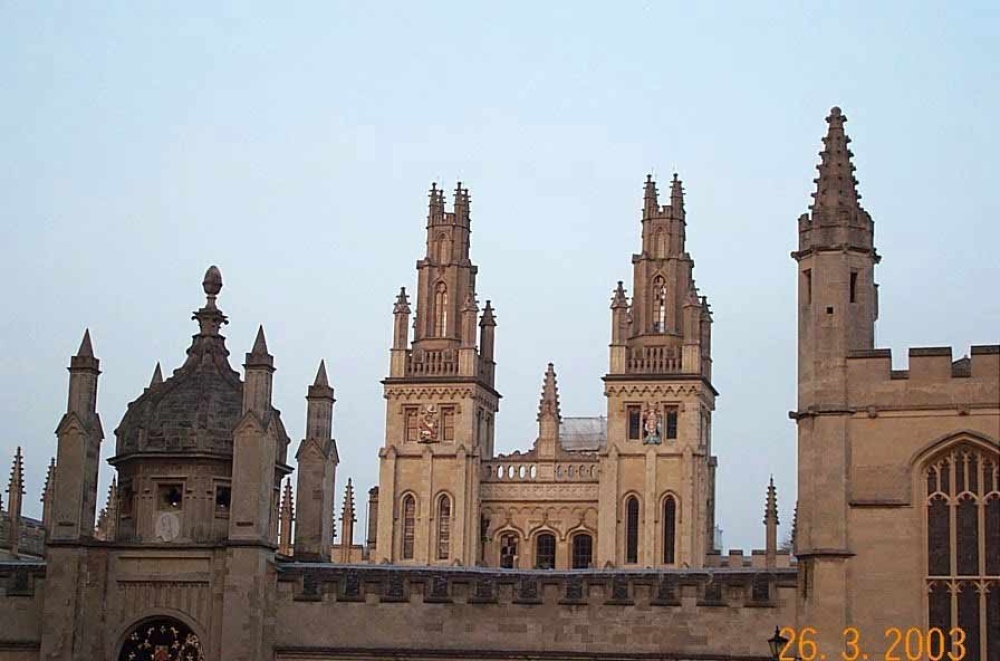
x,y
174,448
196,409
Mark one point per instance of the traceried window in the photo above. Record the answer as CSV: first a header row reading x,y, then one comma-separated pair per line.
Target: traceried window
x,y
440,310
411,429
631,530
583,551
508,550
962,500
409,525
545,551
444,528
161,638
669,529
659,305
634,412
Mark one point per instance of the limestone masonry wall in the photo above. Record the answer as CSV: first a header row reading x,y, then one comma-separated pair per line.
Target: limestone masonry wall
x,y
378,612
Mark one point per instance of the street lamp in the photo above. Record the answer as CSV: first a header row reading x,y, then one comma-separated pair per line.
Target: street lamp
x,y
776,643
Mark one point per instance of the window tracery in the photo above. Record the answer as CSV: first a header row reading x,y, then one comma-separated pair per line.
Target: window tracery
x,y
962,500
161,639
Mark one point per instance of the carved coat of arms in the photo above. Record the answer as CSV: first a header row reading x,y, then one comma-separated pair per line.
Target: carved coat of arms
x,y
651,425
428,423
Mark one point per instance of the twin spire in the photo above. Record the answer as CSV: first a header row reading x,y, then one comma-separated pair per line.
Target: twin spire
x,y
651,203
436,214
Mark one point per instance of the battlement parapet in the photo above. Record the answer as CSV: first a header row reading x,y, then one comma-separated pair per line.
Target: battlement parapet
x,y
932,378
726,585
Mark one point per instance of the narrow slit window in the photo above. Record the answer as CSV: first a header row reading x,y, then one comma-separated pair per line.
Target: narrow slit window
x,y
854,286
444,528
669,529
632,530
409,526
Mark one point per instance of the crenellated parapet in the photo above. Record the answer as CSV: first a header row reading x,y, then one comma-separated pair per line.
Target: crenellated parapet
x,y
932,379
662,613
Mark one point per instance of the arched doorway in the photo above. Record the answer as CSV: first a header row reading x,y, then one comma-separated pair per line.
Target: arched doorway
x,y
161,639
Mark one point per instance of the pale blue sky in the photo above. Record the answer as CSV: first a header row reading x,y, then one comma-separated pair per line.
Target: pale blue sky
x,y
293,146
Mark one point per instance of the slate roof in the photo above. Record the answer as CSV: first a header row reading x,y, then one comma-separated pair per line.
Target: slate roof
x,y
588,434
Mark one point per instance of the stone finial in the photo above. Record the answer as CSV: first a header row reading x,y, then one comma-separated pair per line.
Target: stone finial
x,y
157,376
549,404
619,300
259,344
487,318
86,349
321,379
836,187
212,284
287,515
402,305
210,319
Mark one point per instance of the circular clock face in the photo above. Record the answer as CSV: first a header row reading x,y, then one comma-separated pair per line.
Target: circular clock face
x,y
168,526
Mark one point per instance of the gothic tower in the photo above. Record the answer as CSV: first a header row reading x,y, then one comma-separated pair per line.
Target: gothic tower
x,y
440,403
658,472
837,311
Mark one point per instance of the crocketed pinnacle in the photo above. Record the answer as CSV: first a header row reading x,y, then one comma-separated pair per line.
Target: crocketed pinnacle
x,y
549,404
487,318
435,207
771,508
836,187
348,510
402,305
619,300
15,488
650,201
50,477
676,195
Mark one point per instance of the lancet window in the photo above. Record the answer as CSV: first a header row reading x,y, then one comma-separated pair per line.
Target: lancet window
x,y
409,526
659,305
440,309
444,528
669,530
631,530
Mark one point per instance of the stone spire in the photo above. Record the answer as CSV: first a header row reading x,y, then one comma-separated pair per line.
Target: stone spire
x,y
771,524
15,492
317,460
347,521
48,491
836,187
287,516
157,376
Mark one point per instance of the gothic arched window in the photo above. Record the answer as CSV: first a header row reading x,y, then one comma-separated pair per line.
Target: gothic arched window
x,y
440,310
669,529
962,500
631,530
660,244
659,305
508,550
545,551
444,527
161,639
409,525
583,551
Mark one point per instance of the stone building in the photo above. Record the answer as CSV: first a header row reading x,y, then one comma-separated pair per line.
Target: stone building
x,y
597,542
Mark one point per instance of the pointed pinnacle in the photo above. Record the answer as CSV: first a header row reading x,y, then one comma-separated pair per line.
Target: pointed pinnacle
x,y
86,349
487,319
259,344
549,403
402,305
157,376
619,300
321,379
